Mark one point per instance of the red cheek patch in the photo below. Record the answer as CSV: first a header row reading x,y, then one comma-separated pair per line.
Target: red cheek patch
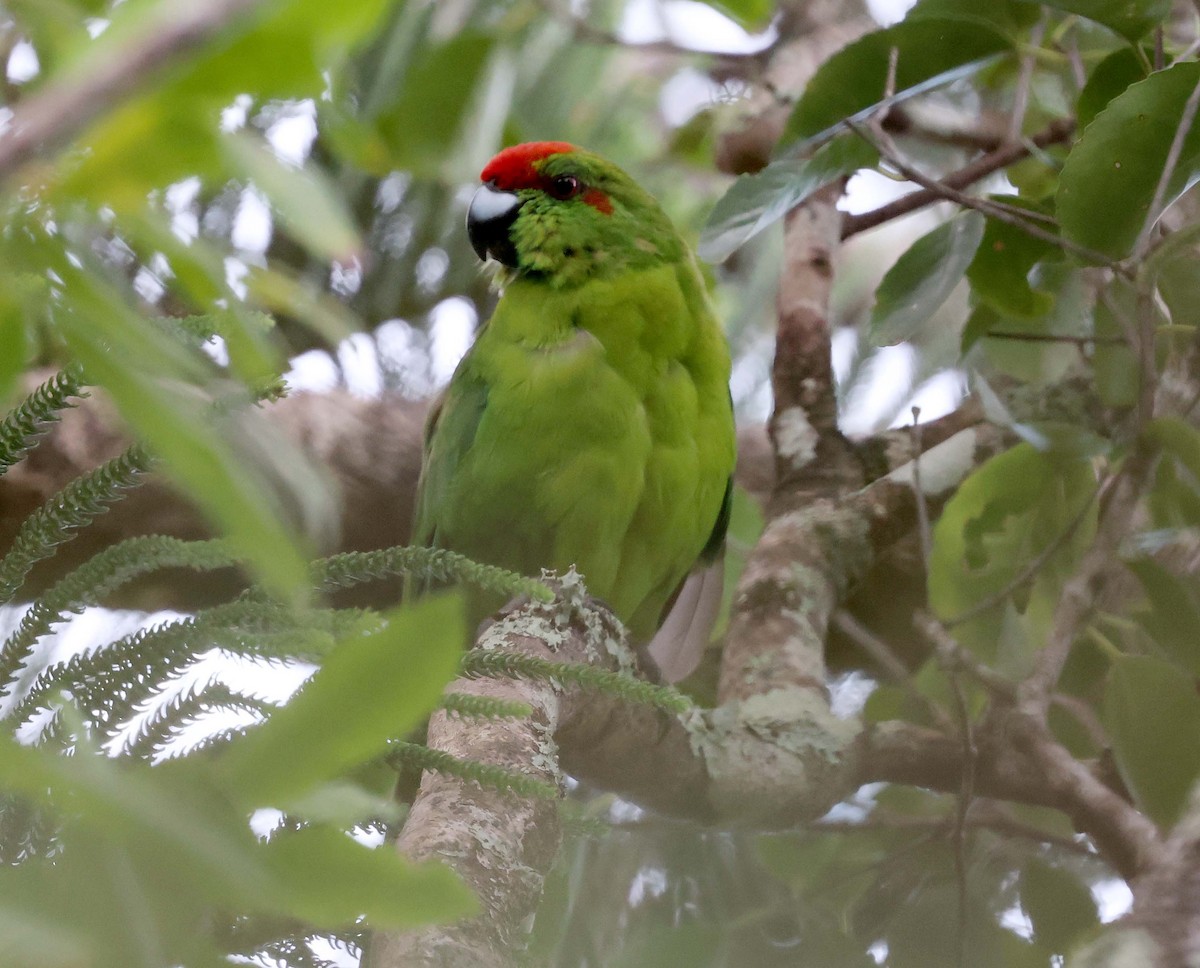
x,y
598,200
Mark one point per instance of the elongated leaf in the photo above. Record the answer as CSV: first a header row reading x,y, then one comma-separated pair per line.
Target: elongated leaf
x,y
923,277
999,273
1178,438
174,811
306,201
1108,79
1152,713
281,50
1009,17
1058,903
1109,179
748,13
1002,518
16,296
331,880
1173,618
373,687
1129,19
232,464
756,201
854,80
422,125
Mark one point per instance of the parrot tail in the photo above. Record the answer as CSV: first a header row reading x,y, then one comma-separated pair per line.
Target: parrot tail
x,y
678,646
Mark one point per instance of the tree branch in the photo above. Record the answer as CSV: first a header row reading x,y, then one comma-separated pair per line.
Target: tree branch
x,y
1056,132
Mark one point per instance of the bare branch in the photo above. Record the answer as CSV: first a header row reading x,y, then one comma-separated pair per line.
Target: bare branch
x,y
1002,213
1054,133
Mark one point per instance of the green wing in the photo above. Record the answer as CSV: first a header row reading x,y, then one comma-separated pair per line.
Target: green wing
x,y
449,433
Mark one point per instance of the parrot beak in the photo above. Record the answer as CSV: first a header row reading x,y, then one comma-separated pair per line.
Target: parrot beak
x,y
491,214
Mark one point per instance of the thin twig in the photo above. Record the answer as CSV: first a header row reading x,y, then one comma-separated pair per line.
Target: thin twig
x,y
992,818
1172,162
953,655
1057,338
998,212
1118,499
1024,80
988,164
981,134
966,792
924,532
896,670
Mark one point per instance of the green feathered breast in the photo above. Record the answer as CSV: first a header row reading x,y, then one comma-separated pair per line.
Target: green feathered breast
x,y
590,424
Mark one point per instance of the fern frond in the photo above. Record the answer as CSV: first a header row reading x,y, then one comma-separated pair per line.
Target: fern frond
x,y
99,577
214,742
114,697
22,427
75,506
436,564
484,707
491,664
27,829
171,717
110,682
404,753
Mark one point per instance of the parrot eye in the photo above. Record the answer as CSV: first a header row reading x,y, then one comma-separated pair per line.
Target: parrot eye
x,y
563,187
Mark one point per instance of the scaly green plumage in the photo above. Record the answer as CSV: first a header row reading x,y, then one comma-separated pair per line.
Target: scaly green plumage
x,y
590,423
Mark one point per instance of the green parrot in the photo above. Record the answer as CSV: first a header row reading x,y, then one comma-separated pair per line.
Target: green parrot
x,y
590,424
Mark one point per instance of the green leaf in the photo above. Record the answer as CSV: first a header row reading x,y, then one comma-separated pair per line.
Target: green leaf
x,y
1173,618
1068,313
344,805
1152,713
331,880
1175,499
1060,905
750,14
280,50
372,688
32,937
1178,438
305,200
1108,80
999,273
852,83
231,463
1001,518
427,118
1129,18
19,294
756,201
1115,365
173,811
1110,176
1009,17
1177,274
923,278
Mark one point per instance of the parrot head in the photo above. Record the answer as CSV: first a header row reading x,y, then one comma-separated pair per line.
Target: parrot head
x,y
551,210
